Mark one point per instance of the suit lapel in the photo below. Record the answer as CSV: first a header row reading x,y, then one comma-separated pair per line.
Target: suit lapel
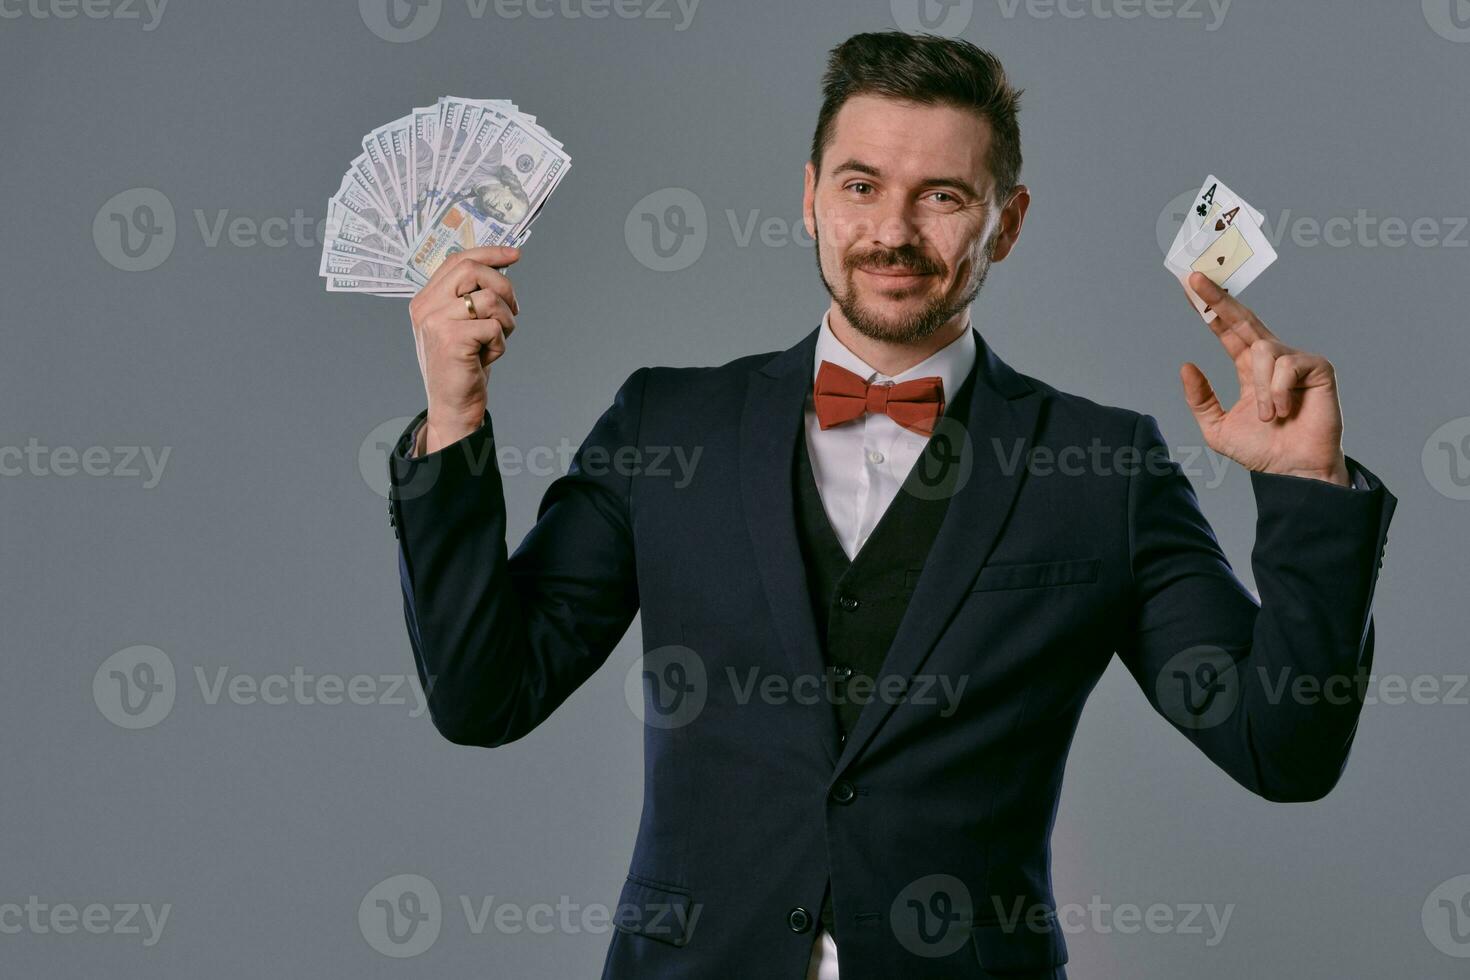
x,y
770,423
1001,424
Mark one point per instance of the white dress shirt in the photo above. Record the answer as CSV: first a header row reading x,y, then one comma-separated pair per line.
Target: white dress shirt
x,y
858,467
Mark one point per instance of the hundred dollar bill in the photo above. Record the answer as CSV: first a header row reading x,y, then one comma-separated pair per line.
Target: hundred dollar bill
x,y
421,160
346,284
345,227
359,267
354,197
516,173
375,146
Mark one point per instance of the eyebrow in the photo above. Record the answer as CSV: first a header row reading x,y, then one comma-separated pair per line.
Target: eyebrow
x,y
859,167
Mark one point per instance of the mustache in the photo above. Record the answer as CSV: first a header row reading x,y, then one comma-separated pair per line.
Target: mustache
x,y
897,261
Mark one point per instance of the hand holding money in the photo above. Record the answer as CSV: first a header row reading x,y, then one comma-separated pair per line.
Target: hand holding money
x,y
445,178
461,320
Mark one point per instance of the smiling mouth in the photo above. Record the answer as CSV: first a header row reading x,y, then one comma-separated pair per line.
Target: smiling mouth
x,y
896,277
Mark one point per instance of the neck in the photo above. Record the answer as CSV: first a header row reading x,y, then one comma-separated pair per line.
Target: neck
x,y
890,357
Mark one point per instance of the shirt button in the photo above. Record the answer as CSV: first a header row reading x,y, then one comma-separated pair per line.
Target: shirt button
x,y
874,456
799,919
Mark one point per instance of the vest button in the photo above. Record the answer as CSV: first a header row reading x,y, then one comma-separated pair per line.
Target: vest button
x,y
843,792
847,602
799,919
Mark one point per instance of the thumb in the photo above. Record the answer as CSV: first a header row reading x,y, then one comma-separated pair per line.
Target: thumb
x,y
1203,401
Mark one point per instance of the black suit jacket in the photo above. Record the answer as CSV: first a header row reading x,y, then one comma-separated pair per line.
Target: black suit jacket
x,y
1070,538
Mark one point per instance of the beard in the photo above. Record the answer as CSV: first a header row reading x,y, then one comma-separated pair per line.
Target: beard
x,y
907,327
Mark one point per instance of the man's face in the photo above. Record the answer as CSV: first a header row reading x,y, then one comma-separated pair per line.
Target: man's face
x,y
904,215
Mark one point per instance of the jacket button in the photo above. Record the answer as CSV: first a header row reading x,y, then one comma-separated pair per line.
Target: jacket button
x,y
847,602
843,792
799,919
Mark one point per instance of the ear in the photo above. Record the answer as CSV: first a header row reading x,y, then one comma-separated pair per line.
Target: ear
x,y
1012,216
809,200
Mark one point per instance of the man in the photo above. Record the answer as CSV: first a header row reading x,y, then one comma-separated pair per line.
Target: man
x,y
871,614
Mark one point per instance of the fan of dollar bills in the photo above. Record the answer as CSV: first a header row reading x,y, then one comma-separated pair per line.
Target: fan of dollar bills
x,y
444,178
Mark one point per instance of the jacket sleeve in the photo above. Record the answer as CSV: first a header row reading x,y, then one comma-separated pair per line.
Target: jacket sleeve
x,y
500,642
1270,691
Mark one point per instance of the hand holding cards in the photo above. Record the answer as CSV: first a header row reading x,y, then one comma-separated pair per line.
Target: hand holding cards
x,y
1221,237
460,174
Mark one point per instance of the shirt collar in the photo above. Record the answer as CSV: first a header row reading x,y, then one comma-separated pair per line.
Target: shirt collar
x,y
952,363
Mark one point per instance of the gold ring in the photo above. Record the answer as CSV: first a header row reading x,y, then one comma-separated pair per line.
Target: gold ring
x,y
469,304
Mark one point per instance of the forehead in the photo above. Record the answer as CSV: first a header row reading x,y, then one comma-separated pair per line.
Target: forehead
x,y
907,140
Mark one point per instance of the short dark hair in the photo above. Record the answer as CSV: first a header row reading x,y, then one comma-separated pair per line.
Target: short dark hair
x,y
929,70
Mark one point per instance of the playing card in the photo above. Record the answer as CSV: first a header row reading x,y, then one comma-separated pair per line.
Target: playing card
x,y
1231,253
1213,200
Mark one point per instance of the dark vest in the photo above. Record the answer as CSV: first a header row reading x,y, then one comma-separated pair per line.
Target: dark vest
x,y
858,604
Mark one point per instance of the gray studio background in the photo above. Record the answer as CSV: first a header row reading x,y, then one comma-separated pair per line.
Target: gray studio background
x,y
262,549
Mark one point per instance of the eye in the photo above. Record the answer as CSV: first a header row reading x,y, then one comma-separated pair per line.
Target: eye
x,y
858,183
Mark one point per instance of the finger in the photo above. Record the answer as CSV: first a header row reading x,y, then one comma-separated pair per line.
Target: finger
x,y
1201,398
494,256
1235,313
470,276
493,346
1293,371
487,306
1263,366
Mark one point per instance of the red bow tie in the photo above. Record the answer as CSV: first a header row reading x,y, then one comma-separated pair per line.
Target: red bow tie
x,y
842,396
